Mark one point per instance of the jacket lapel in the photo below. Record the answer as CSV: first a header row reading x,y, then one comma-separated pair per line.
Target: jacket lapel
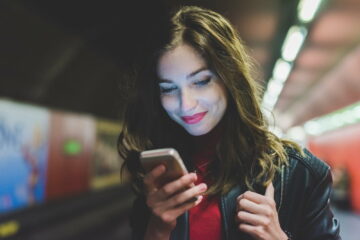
x,y
181,231
228,211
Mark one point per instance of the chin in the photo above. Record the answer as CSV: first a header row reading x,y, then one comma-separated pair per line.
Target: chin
x,y
198,131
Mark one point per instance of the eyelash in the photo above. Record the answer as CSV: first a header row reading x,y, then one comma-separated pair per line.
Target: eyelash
x,y
200,83
203,82
167,90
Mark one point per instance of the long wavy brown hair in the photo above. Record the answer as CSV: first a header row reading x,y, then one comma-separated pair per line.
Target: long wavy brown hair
x,y
247,151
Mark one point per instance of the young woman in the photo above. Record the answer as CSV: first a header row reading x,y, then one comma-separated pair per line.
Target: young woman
x,y
198,97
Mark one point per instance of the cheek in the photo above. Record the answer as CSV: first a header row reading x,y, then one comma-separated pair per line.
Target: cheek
x,y
218,98
168,103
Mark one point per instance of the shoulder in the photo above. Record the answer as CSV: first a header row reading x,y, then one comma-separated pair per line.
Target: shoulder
x,y
307,164
305,211
305,173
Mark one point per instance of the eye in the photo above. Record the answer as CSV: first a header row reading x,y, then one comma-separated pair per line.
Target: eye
x,y
203,82
165,90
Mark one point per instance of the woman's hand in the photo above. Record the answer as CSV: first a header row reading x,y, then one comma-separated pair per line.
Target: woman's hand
x,y
257,215
171,200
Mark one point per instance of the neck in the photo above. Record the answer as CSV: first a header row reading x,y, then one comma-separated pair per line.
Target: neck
x,y
208,141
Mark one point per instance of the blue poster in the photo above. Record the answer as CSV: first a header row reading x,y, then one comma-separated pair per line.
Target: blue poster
x,y
23,155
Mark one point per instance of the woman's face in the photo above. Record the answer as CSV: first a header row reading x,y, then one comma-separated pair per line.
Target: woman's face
x,y
191,94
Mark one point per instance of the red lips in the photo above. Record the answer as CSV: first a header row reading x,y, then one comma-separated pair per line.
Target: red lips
x,y
194,118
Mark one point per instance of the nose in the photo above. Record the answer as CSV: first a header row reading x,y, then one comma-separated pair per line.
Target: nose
x,y
188,101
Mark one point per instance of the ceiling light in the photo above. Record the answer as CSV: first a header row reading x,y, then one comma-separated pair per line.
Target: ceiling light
x,y
274,87
281,70
293,42
277,131
307,9
297,134
272,93
346,116
268,101
312,128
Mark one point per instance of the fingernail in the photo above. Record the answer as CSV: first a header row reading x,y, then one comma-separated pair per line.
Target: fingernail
x,y
162,168
200,198
193,176
203,187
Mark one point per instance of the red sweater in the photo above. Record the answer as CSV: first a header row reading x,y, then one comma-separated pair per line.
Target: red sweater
x,y
205,218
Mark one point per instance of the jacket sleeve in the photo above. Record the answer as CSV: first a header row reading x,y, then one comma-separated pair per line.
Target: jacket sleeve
x,y
139,218
319,222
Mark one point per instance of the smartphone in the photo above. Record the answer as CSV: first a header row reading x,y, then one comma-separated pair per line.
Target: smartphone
x,y
170,158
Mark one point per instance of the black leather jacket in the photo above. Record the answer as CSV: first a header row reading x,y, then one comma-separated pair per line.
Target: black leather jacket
x,y
302,192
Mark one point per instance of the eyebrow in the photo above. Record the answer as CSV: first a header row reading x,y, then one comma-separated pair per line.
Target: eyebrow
x,y
188,76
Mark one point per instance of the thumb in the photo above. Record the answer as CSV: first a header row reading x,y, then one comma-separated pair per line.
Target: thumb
x,y
269,192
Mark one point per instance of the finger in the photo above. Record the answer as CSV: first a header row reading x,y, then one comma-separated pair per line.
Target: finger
x,y
270,191
150,177
170,214
252,207
239,197
253,219
178,185
254,197
183,198
251,230
160,197
186,206
189,194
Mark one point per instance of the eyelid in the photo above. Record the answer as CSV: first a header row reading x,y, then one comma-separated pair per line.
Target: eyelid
x,y
167,90
203,80
166,83
205,71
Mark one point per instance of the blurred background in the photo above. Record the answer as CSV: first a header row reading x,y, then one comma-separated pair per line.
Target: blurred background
x,y
65,74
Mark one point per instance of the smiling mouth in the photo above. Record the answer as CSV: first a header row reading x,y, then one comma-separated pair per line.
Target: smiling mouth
x,y
194,118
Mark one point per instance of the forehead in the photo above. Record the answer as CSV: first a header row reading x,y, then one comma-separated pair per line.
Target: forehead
x,y
179,62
